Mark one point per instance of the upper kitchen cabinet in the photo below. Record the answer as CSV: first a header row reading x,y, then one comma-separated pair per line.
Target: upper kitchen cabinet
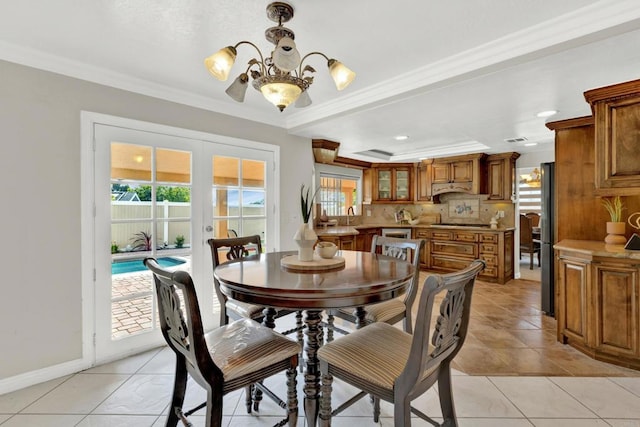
x,y
616,111
392,182
424,175
462,174
501,171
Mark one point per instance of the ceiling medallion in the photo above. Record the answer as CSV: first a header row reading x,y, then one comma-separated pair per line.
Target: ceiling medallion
x,y
282,77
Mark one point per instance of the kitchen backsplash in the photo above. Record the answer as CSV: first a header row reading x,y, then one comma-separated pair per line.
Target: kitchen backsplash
x,y
454,208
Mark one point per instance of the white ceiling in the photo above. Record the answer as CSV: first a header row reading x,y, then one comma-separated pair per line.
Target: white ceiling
x,y
446,73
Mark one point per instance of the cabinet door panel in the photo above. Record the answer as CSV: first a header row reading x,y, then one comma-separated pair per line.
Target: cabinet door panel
x,y
441,173
469,250
462,171
616,310
573,282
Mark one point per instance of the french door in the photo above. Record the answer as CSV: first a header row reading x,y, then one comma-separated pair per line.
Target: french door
x,y
162,192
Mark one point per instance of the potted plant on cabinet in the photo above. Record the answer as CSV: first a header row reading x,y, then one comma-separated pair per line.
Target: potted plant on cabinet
x,y
615,227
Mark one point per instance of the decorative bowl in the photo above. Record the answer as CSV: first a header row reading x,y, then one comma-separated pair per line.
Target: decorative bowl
x,y
326,249
414,221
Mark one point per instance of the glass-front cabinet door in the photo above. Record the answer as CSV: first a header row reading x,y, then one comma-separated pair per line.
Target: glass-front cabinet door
x,y
402,184
384,184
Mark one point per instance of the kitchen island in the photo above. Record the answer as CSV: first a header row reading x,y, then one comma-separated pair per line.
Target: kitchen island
x,y
598,300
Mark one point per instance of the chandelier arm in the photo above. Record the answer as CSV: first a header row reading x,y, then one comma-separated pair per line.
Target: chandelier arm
x,y
308,55
262,66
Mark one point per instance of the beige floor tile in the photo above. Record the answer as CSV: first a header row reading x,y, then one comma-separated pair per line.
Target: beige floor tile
x,y
14,402
539,397
603,396
80,394
118,421
32,420
141,394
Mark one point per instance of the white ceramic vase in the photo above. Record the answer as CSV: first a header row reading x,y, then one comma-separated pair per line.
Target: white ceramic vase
x,y
305,238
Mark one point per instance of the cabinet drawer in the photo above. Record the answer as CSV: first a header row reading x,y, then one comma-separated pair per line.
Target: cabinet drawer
x,y
465,236
487,248
445,263
490,271
468,250
421,233
491,260
488,237
441,234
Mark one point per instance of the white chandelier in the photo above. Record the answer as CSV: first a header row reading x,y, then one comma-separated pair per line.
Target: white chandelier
x,y
282,78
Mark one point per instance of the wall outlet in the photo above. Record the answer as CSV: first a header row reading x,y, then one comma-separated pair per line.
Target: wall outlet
x,y
368,212
500,214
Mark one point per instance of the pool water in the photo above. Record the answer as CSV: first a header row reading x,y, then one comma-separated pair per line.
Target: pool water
x,y
134,265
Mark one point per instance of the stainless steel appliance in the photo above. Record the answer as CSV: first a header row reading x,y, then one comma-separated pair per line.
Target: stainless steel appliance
x,y
547,238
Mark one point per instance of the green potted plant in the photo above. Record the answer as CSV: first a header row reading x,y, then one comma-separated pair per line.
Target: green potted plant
x,y
179,242
615,227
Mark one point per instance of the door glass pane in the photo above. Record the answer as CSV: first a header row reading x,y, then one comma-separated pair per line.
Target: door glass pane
x,y
225,171
130,161
253,202
253,173
173,166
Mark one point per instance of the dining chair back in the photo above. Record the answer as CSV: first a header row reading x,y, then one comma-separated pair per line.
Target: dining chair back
x,y
234,356
229,249
394,310
528,244
535,218
398,367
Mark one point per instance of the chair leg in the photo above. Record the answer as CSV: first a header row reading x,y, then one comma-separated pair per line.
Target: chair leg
x,y
214,408
248,399
531,260
376,409
538,258
257,398
446,396
324,416
402,412
179,390
292,396
331,320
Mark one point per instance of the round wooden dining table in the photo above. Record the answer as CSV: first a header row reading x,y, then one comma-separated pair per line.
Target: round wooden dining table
x,y
365,278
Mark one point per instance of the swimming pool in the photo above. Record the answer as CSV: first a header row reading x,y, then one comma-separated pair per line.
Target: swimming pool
x,y
133,265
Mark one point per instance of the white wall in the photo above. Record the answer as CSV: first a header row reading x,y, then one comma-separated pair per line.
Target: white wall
x,y
40,320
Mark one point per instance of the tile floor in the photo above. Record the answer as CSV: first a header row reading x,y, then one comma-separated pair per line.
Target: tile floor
x,y
510,373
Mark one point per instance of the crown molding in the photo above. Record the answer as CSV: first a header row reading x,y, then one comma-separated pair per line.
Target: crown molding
x,y
75,69
557,34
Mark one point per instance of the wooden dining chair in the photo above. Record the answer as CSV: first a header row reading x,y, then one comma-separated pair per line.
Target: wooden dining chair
x,y
241,247
393,365
528,244
233,356
396,309
535,218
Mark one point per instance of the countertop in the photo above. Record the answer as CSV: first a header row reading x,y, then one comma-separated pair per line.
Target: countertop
x,y
596,248
351,230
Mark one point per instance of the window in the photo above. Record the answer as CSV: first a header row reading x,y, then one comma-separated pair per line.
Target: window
x,y
530,195
339,189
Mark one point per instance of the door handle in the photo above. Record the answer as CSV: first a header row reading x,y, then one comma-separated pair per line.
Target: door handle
x,y
208,228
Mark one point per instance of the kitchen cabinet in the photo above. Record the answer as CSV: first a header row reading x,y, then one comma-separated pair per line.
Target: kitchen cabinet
x,y
457,174
501,176
616,111
365,237
423,233
598,300
393,182
424,173
343,242
453,249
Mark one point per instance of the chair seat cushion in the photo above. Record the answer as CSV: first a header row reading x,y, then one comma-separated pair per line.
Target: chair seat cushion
x,y
376,353
245,346
243,309
381,312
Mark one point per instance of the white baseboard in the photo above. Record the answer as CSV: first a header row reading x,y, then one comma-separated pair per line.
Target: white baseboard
x,y
27,379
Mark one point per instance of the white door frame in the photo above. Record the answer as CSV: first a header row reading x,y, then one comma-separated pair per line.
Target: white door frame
x,y
88,238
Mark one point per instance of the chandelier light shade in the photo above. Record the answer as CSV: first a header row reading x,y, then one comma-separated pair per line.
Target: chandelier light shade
x,y
282,78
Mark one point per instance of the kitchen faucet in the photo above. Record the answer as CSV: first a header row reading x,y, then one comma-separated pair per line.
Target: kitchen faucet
x,y
350,212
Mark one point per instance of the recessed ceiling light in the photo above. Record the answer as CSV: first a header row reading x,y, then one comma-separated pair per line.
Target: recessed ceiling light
x,y
401,137
547,113
530,144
